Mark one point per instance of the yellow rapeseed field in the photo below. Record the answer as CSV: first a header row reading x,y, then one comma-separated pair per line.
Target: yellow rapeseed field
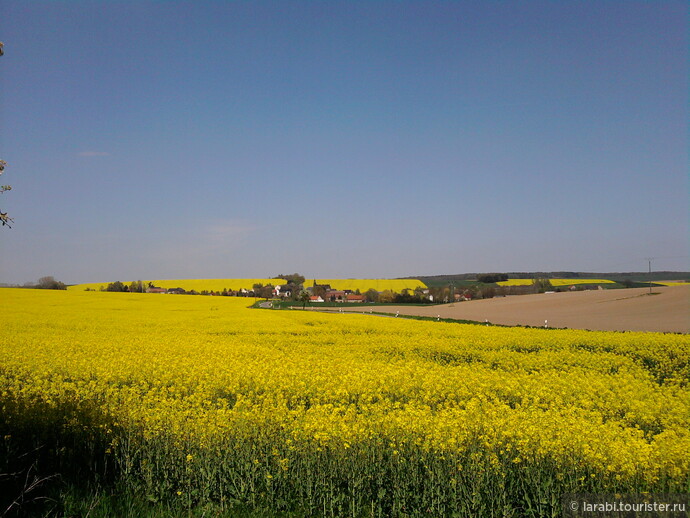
x,y
202,399
554,282
189,284
395,285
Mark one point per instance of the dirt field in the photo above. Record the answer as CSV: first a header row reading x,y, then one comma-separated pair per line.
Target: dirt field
x,y
605,310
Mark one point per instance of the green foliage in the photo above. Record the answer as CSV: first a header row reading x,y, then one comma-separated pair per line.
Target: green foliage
x,y
387,296
304,297
117,286
367,480
371,295
265,292
487,292
320,291
541,285
137,287
294,283
49,283
417,297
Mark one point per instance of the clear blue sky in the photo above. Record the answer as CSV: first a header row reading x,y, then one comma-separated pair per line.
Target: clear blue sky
x,y
342,139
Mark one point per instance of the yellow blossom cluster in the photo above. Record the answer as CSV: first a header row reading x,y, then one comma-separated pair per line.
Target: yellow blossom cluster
x,y
394,285
554,282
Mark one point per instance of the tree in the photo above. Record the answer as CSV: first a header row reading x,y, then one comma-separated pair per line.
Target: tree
x,y
491,278
137,287
540,285
371,295
487,292
319,291
4,218
49,283
437,293
304,297
406,297
386,296
264,292
117,286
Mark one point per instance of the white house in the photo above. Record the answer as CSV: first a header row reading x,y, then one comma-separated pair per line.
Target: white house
x,y
282,291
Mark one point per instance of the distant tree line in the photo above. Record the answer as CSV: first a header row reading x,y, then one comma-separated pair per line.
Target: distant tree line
x,y
441,280
489,278
49,283
44,283
142,287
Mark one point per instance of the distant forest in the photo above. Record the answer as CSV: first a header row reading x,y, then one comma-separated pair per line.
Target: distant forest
x,y
462,278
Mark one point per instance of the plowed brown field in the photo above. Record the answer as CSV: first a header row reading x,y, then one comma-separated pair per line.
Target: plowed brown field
x,y
667,310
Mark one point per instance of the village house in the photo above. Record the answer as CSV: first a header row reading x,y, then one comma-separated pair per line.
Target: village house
x,y
467,295
335,295
282,291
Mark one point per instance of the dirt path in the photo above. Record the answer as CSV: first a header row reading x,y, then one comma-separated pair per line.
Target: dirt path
x,y
605,310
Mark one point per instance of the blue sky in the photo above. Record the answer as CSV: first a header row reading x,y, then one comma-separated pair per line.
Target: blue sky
x,y
342,139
